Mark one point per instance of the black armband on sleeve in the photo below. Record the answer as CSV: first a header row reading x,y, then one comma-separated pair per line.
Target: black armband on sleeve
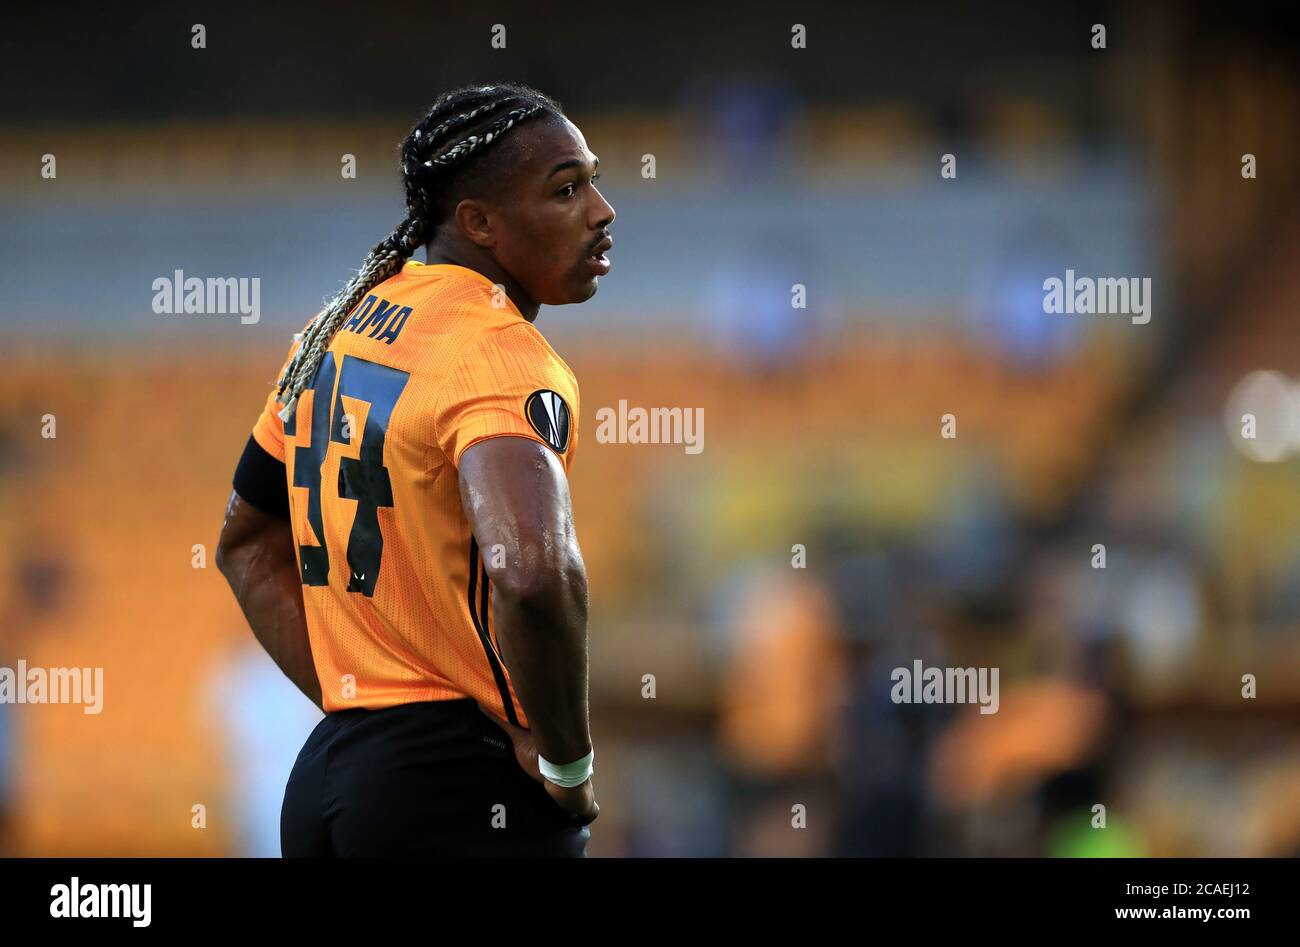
x,y
262,480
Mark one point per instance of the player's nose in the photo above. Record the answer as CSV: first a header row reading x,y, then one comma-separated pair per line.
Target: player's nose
x,y
604,212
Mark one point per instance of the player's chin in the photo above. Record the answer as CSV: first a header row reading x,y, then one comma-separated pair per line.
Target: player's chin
x,y
581,286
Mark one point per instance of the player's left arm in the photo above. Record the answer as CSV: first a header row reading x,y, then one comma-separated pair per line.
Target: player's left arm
x,y
256,555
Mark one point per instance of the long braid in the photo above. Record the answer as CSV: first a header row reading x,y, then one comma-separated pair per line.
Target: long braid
x,y
428,161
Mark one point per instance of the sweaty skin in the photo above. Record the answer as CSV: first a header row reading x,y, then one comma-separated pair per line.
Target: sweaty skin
x,y
516,496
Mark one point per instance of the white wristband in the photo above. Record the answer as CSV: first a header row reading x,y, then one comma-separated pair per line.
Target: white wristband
x,y
568,774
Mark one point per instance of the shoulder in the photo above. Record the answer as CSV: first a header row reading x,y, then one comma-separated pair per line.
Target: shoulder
x,y
508,344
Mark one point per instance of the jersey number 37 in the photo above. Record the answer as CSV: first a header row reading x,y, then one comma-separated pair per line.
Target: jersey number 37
x,y
364,478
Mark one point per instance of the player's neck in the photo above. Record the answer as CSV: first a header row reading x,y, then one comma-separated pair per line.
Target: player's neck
x,y
435,255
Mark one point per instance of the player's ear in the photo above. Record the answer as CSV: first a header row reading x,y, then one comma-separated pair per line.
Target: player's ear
x,y
472,219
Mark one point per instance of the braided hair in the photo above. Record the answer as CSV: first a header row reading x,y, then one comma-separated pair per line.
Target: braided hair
x,y
441,158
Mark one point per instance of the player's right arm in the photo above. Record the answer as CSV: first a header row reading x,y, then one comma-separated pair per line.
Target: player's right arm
x,y
516,498
506,419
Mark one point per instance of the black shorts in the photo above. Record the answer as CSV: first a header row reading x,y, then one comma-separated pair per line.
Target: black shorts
x,y
424,779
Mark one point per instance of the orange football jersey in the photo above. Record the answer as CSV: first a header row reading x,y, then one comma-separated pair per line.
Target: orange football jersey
x,y
398,603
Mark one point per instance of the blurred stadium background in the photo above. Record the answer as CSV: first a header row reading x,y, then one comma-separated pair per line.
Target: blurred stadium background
x,y
775,166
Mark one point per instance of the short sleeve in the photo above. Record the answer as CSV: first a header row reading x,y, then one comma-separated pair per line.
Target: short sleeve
x,y
508,383
269,429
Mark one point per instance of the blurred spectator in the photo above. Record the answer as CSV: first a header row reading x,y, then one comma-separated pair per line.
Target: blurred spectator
x,y
782,692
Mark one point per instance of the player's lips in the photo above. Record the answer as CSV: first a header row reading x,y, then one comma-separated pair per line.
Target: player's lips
x,y
597,259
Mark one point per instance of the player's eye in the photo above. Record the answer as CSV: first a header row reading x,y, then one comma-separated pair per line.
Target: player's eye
x,y
571,188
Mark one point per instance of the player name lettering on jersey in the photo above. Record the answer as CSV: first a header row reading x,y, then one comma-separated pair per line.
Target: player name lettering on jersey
x,y
378,319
